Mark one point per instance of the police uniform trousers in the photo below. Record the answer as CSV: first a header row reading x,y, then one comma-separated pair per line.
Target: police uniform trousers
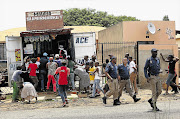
x,y
113,89
155,87
125,84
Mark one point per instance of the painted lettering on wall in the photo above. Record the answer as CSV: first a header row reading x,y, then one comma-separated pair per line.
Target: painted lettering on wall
x,y
82,39
13,66
168,32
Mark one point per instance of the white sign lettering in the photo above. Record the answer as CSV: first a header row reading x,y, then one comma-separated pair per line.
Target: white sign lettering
x,y
46,15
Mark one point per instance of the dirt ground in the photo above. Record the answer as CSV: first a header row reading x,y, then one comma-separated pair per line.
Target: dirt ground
x,y
52,102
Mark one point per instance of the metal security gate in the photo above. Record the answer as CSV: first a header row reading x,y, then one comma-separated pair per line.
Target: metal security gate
x,y
118,49
3,58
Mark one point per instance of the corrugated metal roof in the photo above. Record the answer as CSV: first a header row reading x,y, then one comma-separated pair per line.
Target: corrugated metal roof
x,y
76,29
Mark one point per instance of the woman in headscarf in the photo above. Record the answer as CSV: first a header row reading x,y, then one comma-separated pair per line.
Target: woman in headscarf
x,y
28,92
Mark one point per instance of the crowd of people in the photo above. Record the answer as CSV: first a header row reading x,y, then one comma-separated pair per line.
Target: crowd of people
x,y
62,70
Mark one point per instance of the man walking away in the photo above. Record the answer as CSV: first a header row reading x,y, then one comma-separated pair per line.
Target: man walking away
x,y
64,73
97,73
111,73
32,68
133,75
58,61
172,72
71,65
124,82
151,72
51,66
43,70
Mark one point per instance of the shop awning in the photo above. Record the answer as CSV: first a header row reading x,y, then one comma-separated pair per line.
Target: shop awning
x,y
46,32
44,35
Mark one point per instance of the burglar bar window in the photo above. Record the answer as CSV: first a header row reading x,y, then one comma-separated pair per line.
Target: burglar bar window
x,y
3,51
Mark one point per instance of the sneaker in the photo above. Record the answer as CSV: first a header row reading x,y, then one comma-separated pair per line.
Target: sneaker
x,y
104,100
64,104
137,99
91,96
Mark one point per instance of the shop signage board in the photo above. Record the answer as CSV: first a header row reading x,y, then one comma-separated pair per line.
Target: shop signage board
x,y
43,20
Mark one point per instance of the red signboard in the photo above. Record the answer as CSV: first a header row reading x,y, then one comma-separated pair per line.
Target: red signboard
x,y
43,20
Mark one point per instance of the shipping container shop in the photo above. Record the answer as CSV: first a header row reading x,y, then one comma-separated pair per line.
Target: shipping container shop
x,y
35,43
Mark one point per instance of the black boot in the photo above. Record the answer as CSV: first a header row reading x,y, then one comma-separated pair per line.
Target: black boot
x,y
155,107
104,100
151,103
136,99
116,102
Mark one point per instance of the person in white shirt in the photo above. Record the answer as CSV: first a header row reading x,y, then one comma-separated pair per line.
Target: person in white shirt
x,y
96,83
133,75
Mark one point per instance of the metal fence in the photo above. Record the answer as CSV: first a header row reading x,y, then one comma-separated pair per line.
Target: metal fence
x,y
118,49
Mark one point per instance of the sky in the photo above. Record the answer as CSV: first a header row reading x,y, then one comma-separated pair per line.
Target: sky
x,y
13,11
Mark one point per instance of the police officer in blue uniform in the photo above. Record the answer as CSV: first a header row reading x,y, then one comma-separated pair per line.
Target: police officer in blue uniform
x,y
151,72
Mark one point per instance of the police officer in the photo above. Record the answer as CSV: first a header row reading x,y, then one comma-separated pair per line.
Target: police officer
x,y
124,81
151,71
111,73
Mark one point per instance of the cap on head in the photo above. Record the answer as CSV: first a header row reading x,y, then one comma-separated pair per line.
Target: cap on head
x,y
113,57
170,56
57,56
51,58
154,50
45,54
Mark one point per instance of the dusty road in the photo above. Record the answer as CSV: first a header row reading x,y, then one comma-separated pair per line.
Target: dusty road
x,y
170,110
84,108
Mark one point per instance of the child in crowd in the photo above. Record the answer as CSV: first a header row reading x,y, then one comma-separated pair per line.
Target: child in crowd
x,y
91,74
96,83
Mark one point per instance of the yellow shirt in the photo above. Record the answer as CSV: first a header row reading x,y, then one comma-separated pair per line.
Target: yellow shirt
x,y
92,76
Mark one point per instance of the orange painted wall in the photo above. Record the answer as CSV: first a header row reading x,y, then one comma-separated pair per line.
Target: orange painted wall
x,y
136,31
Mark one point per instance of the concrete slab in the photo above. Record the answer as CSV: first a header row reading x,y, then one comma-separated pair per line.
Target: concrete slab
x,y
39,98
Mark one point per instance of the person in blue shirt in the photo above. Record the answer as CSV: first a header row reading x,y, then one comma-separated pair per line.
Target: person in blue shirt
x,y
124,81
111,73
151,72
